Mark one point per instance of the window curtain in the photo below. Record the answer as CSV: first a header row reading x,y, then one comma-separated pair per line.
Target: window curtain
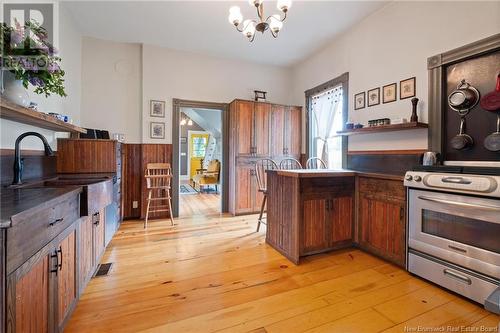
x,y
326,115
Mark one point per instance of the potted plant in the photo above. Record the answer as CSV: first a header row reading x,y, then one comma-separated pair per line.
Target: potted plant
x,y
27,58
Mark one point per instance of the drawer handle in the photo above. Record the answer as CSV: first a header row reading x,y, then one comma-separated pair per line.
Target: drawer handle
x,y
56,221
457,277
59,251
55,255
457,249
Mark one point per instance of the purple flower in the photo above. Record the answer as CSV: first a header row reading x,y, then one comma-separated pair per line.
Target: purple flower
x,y
36,81
53,67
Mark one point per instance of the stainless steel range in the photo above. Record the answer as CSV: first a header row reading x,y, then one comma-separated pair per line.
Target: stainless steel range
x,y
454,230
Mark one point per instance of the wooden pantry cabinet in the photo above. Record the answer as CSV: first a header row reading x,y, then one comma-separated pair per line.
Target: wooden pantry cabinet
x,y
258,130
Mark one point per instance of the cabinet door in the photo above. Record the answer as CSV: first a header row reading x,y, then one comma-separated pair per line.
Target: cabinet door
x,y
244,113
244,191
315,231
66,277
86,260
28,290
98,235
261,133
278,130
341,217
293,130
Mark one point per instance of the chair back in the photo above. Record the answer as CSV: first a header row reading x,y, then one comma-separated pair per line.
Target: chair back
x,y
290,164
261,166
158,175
315,163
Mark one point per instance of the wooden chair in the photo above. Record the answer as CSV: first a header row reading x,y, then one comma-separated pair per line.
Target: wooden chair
x,y
290,164
315,163
158,179
261,166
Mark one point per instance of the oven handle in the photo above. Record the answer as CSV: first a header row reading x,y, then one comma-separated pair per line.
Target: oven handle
x,y
456,203
458,277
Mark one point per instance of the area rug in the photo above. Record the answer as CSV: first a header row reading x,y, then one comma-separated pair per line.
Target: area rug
x,y
187,189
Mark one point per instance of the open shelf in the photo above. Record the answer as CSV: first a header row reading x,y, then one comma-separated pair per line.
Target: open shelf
x,y
384,128
11,111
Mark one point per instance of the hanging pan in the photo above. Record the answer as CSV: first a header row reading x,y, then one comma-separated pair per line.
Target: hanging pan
x,y
491,102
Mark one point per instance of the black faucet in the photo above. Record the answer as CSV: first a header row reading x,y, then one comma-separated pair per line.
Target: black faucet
x,y
18,161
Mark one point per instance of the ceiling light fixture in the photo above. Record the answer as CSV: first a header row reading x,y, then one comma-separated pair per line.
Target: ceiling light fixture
x,y
248,27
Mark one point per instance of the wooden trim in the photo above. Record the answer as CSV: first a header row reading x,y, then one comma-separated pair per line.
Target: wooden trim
x,y
224,107
24,115
435,65
387,152
24,152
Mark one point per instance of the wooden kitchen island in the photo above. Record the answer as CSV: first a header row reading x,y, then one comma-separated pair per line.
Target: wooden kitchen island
x,y
310,211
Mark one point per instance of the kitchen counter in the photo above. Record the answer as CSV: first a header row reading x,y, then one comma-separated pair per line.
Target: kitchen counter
x,y
20,202
306,173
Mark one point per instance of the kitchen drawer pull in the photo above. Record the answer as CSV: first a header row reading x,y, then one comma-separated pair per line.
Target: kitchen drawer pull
x,y
53,223
457,249
461,204
55,255
456,276
59,251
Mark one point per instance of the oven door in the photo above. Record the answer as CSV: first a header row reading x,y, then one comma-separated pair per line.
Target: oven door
x,y
461,229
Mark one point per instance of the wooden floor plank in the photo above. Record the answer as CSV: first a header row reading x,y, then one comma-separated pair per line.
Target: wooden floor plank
x,y
216,274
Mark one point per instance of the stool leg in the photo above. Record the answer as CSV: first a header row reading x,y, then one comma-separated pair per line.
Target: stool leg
x,y
147,210
170,211
261,211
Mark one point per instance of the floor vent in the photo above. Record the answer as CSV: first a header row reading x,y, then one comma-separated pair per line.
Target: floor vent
x,y
103,269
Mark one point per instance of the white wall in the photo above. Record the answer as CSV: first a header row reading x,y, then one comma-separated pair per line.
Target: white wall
x,y
169,74
390,45
111,87
70,52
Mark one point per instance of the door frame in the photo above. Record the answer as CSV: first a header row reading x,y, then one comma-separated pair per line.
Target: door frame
x,y
189,149
177,104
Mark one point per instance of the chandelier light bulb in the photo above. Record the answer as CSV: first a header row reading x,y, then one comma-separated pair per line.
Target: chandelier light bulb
x,y
235,16
248,28
190,122
284,5
275,24
183,122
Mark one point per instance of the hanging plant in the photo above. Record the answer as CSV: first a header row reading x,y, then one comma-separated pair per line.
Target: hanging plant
x,y
27,54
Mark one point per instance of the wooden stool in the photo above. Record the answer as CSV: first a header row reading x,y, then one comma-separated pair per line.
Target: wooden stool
x,y
315,163
290,164
260,172
158,178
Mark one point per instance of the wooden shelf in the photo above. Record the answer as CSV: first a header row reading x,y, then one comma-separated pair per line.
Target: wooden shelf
x,y
384,128
11,111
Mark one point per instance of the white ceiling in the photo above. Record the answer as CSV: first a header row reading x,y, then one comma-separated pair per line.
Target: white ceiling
x,y
202,26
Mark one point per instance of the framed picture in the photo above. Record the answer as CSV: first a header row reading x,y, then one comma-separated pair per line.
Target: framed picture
x,y
359,101
184,139
407,88
157,130
389,93
157,109
374,97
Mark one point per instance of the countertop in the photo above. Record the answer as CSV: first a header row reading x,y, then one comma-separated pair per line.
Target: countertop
x,y
23,201
310,173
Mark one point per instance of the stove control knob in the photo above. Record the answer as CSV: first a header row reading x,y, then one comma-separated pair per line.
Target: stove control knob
x,y
409,177
417,178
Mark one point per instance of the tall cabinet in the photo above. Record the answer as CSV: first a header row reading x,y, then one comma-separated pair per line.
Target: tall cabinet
x,y
258,130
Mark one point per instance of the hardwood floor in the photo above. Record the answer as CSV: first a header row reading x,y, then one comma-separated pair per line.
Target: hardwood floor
x,y
215,274
201,204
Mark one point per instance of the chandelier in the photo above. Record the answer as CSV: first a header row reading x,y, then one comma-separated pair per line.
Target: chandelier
x,y
248,27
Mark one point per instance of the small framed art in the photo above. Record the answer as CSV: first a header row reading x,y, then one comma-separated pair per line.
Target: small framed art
x,y
407,88
157,130
389,93
359,101
374,97
157,109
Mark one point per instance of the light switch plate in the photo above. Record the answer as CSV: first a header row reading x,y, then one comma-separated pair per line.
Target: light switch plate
x,y
135,204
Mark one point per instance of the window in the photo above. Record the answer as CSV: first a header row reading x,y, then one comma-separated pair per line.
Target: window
x,y
326,117
199,146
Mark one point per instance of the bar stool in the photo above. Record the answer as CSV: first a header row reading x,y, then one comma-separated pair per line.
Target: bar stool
x,y
290,164
158,178
261,166
315,163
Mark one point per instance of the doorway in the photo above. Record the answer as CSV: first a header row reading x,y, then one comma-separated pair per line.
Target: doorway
x,y
200,174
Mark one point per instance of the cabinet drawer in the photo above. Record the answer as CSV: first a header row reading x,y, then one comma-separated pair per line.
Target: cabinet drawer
x,y
39,229
332,185
392,188
96,197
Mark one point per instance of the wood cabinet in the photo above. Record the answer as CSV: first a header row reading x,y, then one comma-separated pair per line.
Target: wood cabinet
x,y
381,218
86,249
66,277
308,215
98,223
258,130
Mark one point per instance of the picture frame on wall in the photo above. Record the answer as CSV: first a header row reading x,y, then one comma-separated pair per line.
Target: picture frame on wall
x,y
157,109
157,130
374,96
407,88
389,93
359,100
